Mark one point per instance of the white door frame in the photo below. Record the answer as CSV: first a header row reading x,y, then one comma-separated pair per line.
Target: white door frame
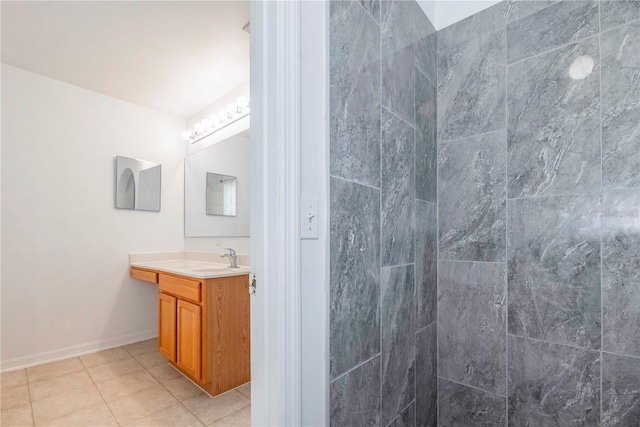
x,y
275,242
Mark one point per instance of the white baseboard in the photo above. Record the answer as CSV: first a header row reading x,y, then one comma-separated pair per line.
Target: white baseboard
x,y
77,350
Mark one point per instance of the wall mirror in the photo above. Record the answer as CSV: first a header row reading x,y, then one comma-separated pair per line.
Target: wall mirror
x,y
221,194
216,190
137,184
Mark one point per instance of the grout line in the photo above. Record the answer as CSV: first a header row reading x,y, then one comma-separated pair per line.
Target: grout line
x,y
464,138
369,14
463,261
437,236
424,328
354,182
398,265
97,389
347,372
506,222
633,21
621,355
600,70
396,115
401,412
554,343
548,196
473,387
380,217
553,49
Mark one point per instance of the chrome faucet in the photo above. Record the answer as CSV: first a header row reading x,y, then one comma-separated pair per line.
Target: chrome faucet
x,y
233,258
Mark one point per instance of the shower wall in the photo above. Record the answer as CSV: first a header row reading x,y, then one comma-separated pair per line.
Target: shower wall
x,y
539,215
383,214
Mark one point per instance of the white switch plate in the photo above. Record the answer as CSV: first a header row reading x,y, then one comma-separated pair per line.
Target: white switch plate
x,y
309,218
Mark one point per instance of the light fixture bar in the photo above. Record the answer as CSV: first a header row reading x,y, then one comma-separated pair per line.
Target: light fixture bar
x,y
215,122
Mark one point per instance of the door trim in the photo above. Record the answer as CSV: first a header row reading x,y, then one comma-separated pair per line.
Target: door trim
x,y
275,240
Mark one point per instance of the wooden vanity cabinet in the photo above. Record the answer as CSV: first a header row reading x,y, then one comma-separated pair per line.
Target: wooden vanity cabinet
x,y
203,328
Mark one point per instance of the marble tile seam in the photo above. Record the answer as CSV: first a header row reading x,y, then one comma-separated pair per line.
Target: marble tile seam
x,y
470,261
402,412
635,21
367,13
473,387
457,140
554,343
552,50
355,182
426,327
379,354
424,74
403,120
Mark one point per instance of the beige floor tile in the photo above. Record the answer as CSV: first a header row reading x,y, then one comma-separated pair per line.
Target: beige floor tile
x,y
66,403
14,396
12,379
114,369
105,356
60,384
245,389
125,385
209,410
164,372
141,404
54,369
182,388
242,418
149,360
142,347
175,416
19,416
98,415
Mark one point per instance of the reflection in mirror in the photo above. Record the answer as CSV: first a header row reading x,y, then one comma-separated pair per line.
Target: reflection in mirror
x,y
137,184
221,194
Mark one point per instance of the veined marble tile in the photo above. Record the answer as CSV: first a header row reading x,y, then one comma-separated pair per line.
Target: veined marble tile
x,y
372,7
479,24
556,25
354,93
621,272
398,191
471,198
621,106
518,9
427,377
426,138
620,391
426,50
355,397
398,335
355,275
554,124
397,39
618,12
472,324
426,233
471,86
552,384
407,418
462,406
554,269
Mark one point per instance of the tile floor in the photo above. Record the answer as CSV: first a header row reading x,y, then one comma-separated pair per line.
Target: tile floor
x,y
131,385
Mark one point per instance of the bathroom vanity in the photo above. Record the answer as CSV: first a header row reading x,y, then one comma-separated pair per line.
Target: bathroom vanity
x,y
203,320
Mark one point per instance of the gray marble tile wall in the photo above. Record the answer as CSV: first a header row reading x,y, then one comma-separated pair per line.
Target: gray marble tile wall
x,y
538,205
383,216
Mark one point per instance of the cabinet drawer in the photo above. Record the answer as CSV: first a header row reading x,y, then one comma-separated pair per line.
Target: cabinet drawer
x,y
147,276
183,288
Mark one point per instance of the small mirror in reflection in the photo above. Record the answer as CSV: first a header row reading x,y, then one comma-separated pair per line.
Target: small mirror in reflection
x,y
137,184
221,194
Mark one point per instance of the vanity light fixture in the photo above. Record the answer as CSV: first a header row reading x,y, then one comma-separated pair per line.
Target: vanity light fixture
x,y
215,122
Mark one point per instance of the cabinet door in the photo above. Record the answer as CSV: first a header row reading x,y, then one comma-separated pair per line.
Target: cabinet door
x,y
167,326
189,338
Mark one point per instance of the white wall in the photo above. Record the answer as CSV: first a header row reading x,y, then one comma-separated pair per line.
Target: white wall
x,y
216,244
65,284
443,13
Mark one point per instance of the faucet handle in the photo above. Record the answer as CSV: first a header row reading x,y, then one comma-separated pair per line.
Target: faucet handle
x,y
232,252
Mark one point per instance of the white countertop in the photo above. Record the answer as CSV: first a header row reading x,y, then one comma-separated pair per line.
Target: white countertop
x,y
192,268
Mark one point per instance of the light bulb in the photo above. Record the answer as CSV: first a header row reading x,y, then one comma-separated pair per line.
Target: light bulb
x,y
222,113
242,102
206,124
197,127
214,119
186,135
232,109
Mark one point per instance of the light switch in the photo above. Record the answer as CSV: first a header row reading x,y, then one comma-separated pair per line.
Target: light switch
x,y
309,218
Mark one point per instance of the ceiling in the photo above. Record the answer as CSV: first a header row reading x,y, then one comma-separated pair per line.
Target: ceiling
x,y
174,57
443,13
